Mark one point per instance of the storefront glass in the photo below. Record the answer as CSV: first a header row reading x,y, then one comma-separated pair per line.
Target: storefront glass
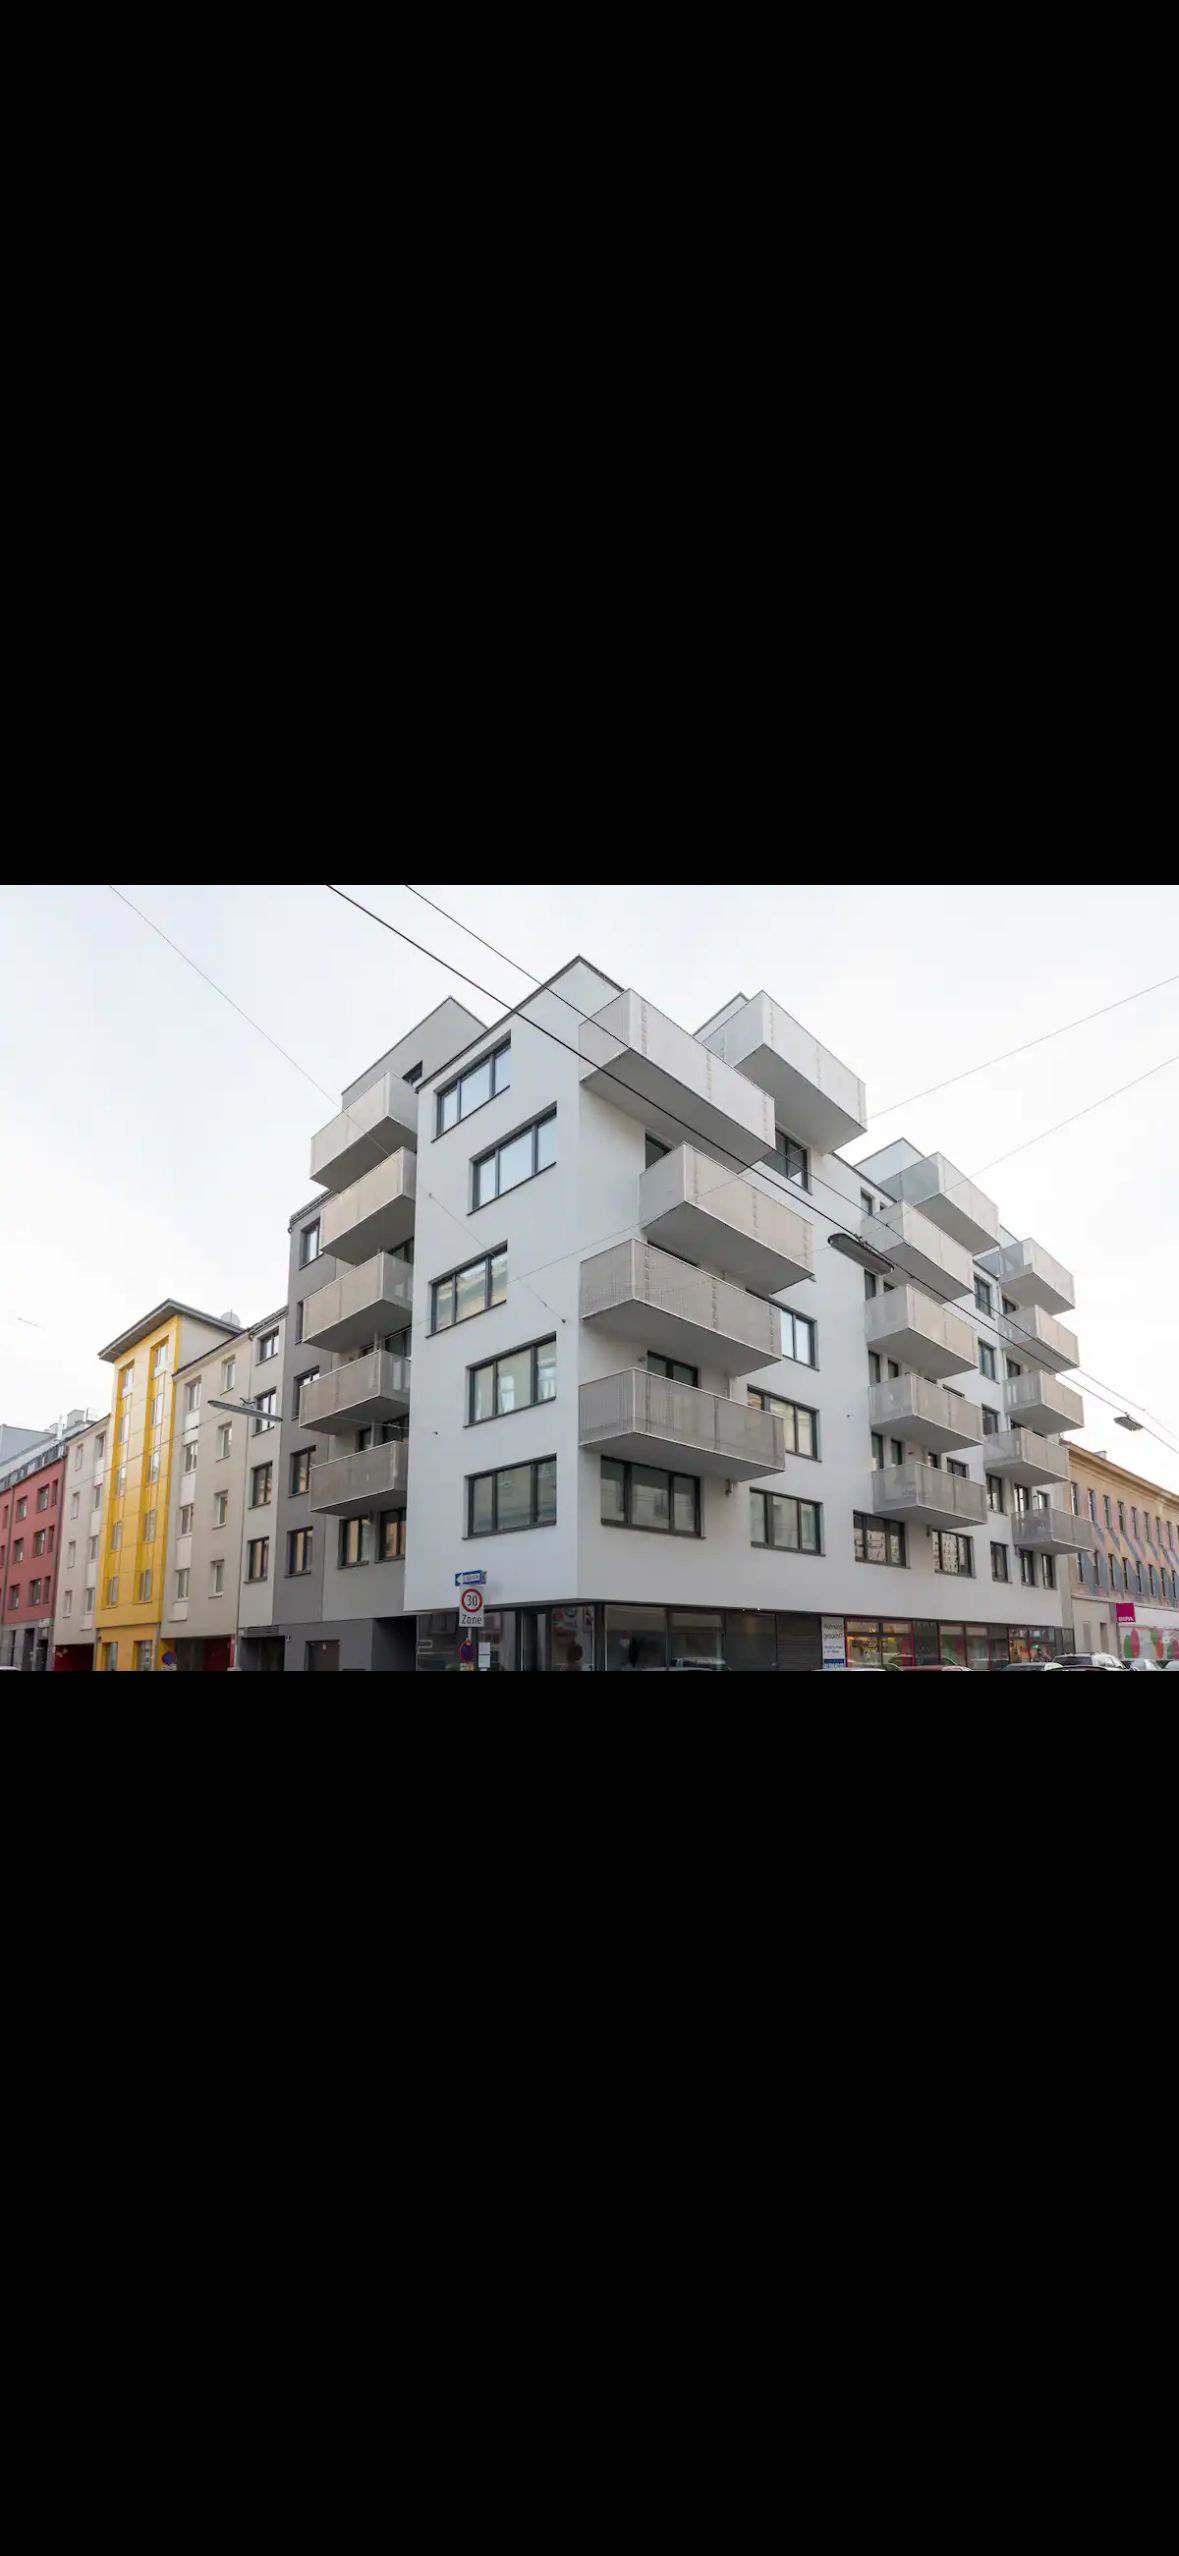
x,y
863,1644
636,1637
1000,1647
750,1642
1021,1648
697,1640
953,1645
572,1637
896,1646
978,1650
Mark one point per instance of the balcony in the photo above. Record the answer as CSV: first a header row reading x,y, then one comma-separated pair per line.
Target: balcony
x,y
644,1419
1030,1276
904,1325
919,1250
348,1486
1033,1334
1021,1456
684,1313
376,1214
1053,1531
1040,1401
953,1204
357,1396
815,1097
360,1305
924,1415
928,1497
687,1205
380,1122
646,1065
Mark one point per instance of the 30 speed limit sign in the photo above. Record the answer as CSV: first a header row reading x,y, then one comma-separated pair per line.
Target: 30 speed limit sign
x,y
471,1605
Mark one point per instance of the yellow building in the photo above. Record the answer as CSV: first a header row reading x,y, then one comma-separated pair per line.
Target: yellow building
x,y
1124,1597
143,1430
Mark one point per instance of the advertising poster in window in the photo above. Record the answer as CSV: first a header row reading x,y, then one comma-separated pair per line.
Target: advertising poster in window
x,y
834,1652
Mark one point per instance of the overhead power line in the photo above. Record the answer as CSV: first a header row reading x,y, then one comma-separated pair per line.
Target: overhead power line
x,y
1022,1050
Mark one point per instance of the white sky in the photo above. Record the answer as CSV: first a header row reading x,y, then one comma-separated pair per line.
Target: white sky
x,y
156,1146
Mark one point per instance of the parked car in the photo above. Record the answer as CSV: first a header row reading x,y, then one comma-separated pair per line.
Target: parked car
x,y
1091,1660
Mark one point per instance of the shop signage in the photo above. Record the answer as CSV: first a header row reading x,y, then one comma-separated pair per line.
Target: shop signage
x,y
834,1648
1127,1614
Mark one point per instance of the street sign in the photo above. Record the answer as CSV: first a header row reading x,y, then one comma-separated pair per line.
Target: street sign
x,y
471,1605
466,1652
470,1579
484,1655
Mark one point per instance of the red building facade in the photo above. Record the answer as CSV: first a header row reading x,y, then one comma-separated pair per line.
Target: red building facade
x,y
32,1508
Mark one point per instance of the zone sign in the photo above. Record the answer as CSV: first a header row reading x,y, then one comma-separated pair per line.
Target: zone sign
x,y
471,1604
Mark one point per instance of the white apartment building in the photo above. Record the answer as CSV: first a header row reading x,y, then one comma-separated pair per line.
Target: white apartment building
x,y
81,1547
687,1386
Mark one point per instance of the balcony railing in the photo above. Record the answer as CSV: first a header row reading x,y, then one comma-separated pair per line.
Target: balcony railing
x,y
1021,1455
902,1323
919,1250
1040,1401
646,1065
687,1204
816,1097
383,1120
924,1415
1053,1531
376,1214
683,1313
1031,1333
359,1305
1030,1276
348,1486
645,1419
358,1396
939,1191
928,1496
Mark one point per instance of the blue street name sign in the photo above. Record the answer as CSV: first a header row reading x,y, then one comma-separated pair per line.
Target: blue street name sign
x,y
470,1579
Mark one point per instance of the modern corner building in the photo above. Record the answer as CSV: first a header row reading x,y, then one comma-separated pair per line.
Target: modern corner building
x,y
132,1562
689,1388
1124,1593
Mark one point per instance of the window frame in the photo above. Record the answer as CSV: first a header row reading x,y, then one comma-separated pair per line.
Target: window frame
x,y
304,1538
451,1277
799,1552
865,1523
529,1349
532,1525
531,1127
257,1544
297,1491
791,1356
778,1406
489,1056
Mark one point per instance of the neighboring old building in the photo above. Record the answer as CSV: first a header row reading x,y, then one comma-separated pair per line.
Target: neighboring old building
x,y
262,1378
133,1552
32,1511
203,1560
75,1614
1124,1595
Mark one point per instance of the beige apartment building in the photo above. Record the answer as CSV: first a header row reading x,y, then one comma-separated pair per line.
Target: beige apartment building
x,y
1124,1595
84,1501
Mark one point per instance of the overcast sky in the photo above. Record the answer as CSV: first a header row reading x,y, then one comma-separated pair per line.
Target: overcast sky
x,y
157,1146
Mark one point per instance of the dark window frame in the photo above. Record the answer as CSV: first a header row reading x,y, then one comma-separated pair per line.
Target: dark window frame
x,y
304,1536
295,1491
532,1525
490,1056
531,1127
777,1405
450,1278
790,1356
865,1524
627,1525
257,1544
307,1258
255,1470
941,1536
479,1367
800,1552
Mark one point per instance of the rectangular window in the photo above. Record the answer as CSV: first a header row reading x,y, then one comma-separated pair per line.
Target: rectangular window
x,y
878,1540
470,1290
792,1159
149,1527
126,1384
117,1536
799,1422
228,1374
873,1367
995,1493
518,1159
192,1396
655,1151
984,1295
1093,1511
267,1413
75,1497
482,1082
673,1369
77,1459
301,1473
34,1593
153,1465
92,1549
143,1658
300,1321
183,1582
22,1510
267,1348
217,1579
120,1481
309,1244
262,1486
159,1359
990,1421
71,1556
1021,1499
986,1361
800,1338
157,1412
14,1596
870,1285
356,1542
43,1497
392,1536
960,1471
220,1508
999,1569
1027,1570
640,1495
299,1548
514,1382
952,1553
1109,1512
1047,1570
67,1604
190,1458
521,1495
310,1376
88,1601
258,1559
790,1526
1012,1368
186,1517
39,1544
110,1656
224,1440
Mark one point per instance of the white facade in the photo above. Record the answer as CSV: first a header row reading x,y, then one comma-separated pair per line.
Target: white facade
x,y
81,1538
211,1453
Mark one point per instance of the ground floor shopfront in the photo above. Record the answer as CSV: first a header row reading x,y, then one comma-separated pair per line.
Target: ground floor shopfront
x,y
26,1646
720,1639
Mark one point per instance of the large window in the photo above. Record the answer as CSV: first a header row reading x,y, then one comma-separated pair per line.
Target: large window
x,y
471,1290
952,1553
300,1473
800,1338
299,1552
267,1406
258,1559
999,1569
792,1159
643,1496
261,1486
521,1495
480,1083
267,1348
984,1296
518,1159
801,1425
995,1493
879,1540
791,1526
514,1383
636,1637
392,1536
310,1245
356,1542
990,1421
986,1360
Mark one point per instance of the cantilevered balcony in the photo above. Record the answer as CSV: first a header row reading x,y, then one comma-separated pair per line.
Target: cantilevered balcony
x,y
961,1210
645,1419
815,1097
903,1324
1030,1276
646,1065
1038,1400
683,1313
688,1205
357,1396
360,1305
927,1496
1033,1334
924,1415
376,1214
1053,1531
1020,1455
383,1120
919,1250
348,1486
